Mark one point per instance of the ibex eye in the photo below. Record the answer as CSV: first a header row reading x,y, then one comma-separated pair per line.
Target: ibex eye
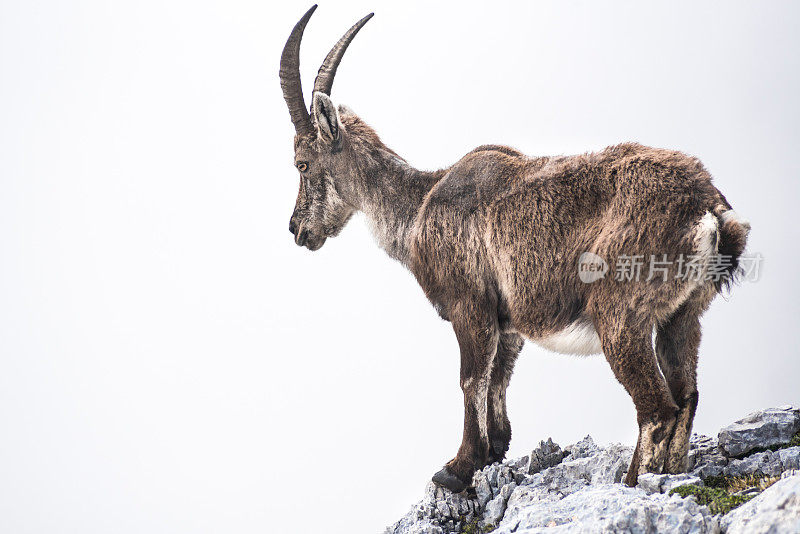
x,y
302,166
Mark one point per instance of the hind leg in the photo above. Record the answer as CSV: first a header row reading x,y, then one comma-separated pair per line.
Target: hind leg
x,y
627,345
499,427
677,341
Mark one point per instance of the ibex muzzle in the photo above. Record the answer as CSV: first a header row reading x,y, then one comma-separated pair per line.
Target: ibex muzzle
x,y
497,241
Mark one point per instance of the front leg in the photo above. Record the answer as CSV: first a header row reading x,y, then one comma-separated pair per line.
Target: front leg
x,y
508,348
475,325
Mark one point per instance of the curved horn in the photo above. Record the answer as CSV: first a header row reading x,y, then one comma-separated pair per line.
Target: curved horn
x,y
290,77
327,71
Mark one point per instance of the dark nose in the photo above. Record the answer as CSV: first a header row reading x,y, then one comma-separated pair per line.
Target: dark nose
x,y
300,234
302,238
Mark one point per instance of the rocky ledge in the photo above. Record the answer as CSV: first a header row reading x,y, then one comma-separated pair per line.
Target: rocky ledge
x,y
745,480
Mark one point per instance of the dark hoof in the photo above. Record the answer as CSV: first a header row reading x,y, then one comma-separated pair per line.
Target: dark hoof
x,y
446,479
497,452
494,459
631,477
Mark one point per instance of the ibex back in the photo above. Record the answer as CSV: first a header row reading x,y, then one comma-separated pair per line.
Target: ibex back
x,y
496,241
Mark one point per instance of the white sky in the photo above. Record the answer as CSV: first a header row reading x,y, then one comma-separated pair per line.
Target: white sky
x,y
171,362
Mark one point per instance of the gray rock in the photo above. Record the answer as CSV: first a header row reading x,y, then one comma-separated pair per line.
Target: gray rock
x,y
483,490
790,458
611,464
521,463
578,489
706,458
497,506
547,454
494,511
774,426
775,511
498,475
651,483
582,449
593,465
766,463
439,512
760,463
604,508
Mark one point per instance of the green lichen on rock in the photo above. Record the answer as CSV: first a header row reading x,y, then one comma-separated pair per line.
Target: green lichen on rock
x,y
739,483
719,493
473,527
718,500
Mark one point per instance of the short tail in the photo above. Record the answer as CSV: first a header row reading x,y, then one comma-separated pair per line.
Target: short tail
x,y
733,231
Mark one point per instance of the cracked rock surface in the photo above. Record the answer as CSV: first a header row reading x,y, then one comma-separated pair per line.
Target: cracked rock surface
x,y
578,489
776,510
759,430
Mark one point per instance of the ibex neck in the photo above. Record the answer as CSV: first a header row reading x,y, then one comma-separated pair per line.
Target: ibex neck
x,y
392,196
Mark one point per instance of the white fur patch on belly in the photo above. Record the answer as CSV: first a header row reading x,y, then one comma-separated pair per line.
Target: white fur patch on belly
x,y
579,338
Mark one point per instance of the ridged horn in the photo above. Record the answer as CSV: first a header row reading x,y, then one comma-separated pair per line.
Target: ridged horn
x,y
324,80
290,77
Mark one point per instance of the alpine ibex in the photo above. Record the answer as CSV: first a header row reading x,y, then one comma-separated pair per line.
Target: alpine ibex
x,y
496,241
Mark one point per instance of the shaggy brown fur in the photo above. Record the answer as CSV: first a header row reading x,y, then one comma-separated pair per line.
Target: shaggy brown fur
x,y
495,242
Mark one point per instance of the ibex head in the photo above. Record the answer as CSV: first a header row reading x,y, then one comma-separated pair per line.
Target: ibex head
x,y
321,211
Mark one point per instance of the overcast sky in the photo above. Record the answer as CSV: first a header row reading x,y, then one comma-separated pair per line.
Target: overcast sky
x,y
170,361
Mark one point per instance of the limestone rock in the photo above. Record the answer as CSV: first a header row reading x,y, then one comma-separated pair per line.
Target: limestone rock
x,y
547,454
651,483
766,463
675,481
578,489
706,458
775,511
761,429
497,506
605,508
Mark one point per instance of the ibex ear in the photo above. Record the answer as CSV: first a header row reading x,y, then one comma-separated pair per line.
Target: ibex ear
x,y
326,116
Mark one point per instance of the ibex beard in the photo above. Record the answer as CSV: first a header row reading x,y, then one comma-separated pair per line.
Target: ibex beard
x,y
495,241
